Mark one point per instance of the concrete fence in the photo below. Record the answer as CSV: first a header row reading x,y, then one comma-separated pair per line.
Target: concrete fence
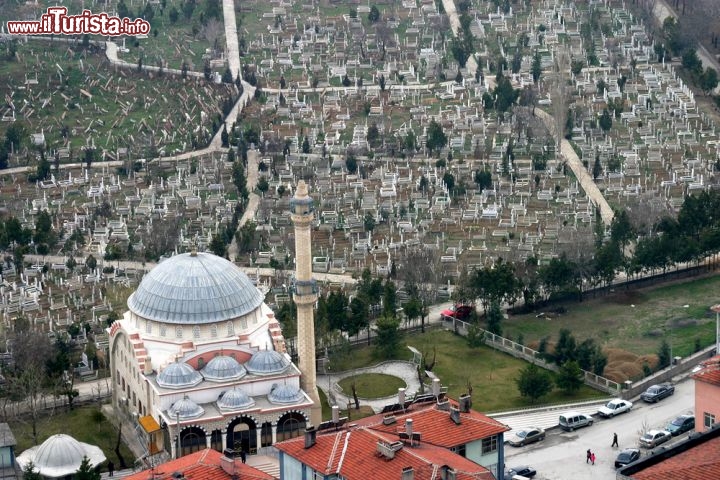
x,y
521,351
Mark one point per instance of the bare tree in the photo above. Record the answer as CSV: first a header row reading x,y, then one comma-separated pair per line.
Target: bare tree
x,y
26,380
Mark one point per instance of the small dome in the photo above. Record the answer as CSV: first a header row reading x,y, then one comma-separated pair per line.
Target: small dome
x,y
235,399
223,368
285,394
266,362
60,455
179,375
186,408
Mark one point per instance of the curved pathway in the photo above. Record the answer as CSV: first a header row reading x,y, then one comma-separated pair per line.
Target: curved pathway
x,y
328,383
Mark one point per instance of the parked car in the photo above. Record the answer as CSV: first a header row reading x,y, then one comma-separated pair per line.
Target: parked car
x,y
627,456
614,407
653,438
527,435
569,421
458,312
682,424
658,392
523,471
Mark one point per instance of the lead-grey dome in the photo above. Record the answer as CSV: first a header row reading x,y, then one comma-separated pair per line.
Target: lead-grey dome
x,y
179,375
266,362
235,399
285,394
194,288
185,409
223,368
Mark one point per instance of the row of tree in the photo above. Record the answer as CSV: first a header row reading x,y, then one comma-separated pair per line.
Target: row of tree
x,y
693,235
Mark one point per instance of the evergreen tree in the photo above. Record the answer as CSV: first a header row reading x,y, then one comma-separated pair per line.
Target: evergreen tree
x,y
534,382
570,377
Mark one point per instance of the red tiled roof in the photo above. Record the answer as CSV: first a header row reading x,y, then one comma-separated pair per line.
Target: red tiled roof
x,y
352,453
437,428
202,465
710,371
702,462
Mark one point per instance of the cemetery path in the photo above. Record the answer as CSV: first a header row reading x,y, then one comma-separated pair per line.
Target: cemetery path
x,y
253,200
663,10
231,37
252,272
451,12
585,180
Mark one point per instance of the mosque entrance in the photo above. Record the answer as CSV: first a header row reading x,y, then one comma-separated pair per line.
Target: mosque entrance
x,y
242,435
192,440
290,425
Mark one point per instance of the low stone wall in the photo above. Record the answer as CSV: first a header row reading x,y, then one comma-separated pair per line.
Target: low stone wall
x,y
666,374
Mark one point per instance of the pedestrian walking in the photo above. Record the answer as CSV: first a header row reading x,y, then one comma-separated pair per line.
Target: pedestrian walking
x,y
242,455
111,468
589,456
592,458
614,444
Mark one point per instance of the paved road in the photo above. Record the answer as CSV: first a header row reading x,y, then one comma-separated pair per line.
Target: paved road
x,y
562,455
231,37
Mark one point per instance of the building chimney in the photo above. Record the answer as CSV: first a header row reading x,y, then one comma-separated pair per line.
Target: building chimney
x,y
310,433
465,402
228,465
455,415
401,396
148,370
436,387
335,414
408,427
443,405
408,473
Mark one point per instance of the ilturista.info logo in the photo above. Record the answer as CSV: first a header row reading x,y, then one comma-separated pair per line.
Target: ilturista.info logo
x,y
57,22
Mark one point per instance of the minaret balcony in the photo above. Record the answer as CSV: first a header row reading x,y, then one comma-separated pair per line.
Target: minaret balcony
x,y
304,287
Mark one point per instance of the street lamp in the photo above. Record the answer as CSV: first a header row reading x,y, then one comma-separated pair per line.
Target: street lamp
x,y
716,309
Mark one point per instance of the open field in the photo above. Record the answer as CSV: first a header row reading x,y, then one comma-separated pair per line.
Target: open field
x,y
633,320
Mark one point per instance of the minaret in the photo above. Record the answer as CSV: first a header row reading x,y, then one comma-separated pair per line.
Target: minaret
x,y
305,296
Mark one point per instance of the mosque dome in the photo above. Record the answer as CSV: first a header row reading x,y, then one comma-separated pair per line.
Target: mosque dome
x,y
267,362
60,455
185,409
223,368
193,289
235,399
179,375
285,394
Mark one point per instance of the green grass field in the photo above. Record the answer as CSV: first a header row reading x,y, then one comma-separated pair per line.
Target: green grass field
x,y
458,365
633,320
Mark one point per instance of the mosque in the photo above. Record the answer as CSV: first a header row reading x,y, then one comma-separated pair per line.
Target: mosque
x,y
199,359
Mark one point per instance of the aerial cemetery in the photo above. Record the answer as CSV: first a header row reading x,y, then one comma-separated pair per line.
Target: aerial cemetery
x,y
414,147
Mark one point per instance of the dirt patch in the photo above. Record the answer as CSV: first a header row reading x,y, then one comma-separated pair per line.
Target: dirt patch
x,y
623,365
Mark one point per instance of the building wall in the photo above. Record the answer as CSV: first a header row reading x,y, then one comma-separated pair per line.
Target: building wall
x,y
492,460
290,468
707,400
7,459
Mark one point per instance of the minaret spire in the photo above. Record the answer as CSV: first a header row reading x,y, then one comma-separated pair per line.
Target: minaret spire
x,y
305,296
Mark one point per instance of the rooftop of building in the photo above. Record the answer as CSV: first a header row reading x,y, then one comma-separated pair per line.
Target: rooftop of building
x,y
709,371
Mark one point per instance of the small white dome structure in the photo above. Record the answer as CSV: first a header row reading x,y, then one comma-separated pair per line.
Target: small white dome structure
x,y
60,456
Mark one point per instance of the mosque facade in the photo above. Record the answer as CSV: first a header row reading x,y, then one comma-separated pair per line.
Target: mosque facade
x,y
199,360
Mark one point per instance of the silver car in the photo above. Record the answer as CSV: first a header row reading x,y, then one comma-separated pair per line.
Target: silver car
x,y
653,438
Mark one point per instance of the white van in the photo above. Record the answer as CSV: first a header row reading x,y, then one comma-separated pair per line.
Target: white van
x,y
569,421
